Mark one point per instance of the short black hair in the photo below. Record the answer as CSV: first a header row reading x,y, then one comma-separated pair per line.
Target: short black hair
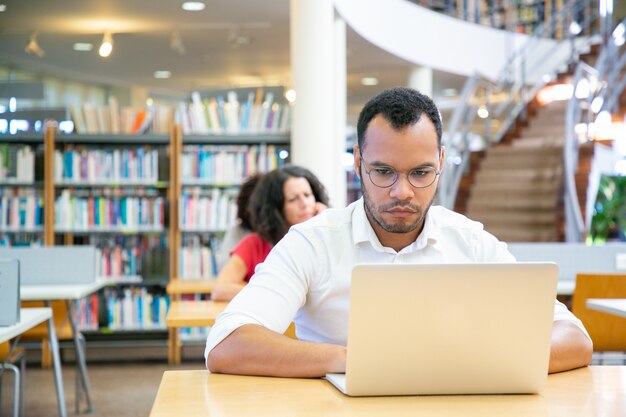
x,y
267,201
400,106
243,200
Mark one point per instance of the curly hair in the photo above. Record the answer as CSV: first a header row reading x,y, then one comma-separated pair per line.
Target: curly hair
x,y
243,200
400,106
267,201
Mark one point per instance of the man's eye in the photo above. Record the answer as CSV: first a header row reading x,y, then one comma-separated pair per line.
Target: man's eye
x,y
418,173
384,171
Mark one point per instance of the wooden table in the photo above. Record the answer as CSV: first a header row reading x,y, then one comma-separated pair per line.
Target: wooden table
x,y
175,289
615,306
177,286
193,313
69,293
199,314
594,391
29,318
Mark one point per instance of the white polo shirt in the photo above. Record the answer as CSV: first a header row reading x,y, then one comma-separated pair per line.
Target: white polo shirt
x,y
306,276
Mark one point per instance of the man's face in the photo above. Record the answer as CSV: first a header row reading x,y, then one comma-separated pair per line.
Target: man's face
x,y
400,208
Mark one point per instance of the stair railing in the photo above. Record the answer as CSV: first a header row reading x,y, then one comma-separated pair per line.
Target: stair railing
x,y
596,89
487,109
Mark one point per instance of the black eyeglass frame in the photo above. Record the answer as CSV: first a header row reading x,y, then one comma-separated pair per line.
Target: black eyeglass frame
x,y
397,174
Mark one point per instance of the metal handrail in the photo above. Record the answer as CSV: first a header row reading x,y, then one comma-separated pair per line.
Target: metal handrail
x,y
505,99
605,83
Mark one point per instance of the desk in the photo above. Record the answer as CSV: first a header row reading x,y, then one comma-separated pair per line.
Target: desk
x,y
193,313
594,391
29,318
180,286
69,293
189,314
175,288
615,306
201,314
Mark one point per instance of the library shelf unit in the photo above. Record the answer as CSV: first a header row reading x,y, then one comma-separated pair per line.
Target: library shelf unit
x,y
21,189
110,191
137,219
206,175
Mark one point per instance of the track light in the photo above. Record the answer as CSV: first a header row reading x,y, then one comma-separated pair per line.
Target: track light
x,y
106,47
33,47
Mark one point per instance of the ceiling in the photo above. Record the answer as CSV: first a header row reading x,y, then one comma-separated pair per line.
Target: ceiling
x,y
234,43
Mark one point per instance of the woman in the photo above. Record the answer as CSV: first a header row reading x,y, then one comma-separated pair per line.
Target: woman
x,y
282,198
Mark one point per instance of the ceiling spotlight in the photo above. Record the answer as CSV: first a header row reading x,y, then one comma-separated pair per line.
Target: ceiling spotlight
x,y
369,81
33,47
162,74
82,46
193,6
176,43
106,47
3,8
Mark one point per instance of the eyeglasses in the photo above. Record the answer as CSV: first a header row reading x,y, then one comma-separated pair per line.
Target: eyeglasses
x,y
385,177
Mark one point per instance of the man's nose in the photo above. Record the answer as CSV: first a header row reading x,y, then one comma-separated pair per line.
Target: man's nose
x,y
402,189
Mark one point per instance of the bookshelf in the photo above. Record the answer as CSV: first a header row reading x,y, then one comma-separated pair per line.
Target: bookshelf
x,y
206,176
22,215
110,191
156,205
211,169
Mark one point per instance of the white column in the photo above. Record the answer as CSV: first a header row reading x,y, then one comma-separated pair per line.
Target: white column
x,y
313,131
421,79
340,196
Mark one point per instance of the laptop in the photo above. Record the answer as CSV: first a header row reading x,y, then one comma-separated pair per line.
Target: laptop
x,y
9,292
449,329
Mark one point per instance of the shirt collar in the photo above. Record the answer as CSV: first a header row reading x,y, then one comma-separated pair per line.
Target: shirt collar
x,y
362,230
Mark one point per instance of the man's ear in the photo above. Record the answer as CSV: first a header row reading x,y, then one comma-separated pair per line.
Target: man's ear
x,y
442,158
357,160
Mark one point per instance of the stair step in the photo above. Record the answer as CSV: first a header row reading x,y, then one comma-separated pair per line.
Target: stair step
x,y
524,235
512,202
549,120
527,175
544,131
545,141
514,218
523,147
523,161
518,187
521,190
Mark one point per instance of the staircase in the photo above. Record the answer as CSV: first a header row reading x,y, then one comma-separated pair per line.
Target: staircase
x,y
516,191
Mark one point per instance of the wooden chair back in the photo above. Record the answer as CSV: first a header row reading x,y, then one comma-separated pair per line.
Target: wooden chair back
x,y
608,332
40,332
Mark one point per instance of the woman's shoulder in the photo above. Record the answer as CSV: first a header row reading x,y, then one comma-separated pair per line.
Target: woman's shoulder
x,y
253,240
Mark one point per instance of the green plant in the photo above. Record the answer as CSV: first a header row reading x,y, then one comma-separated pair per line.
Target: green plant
x,y
609,214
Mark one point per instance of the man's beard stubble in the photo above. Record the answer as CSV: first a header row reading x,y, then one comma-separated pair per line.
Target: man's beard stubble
x,y
400,227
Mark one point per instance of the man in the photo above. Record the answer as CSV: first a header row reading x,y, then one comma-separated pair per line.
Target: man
x,y
306,277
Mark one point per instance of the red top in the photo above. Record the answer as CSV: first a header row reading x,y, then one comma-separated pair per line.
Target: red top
x,y
252,250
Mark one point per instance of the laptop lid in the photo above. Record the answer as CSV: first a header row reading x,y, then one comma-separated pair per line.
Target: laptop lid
x,y
9,292
450,329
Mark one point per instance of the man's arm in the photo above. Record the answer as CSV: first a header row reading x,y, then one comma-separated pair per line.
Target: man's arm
x,y
570,349
254,350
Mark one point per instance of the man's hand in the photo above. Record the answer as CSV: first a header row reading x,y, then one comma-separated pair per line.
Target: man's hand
x,y
570,349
